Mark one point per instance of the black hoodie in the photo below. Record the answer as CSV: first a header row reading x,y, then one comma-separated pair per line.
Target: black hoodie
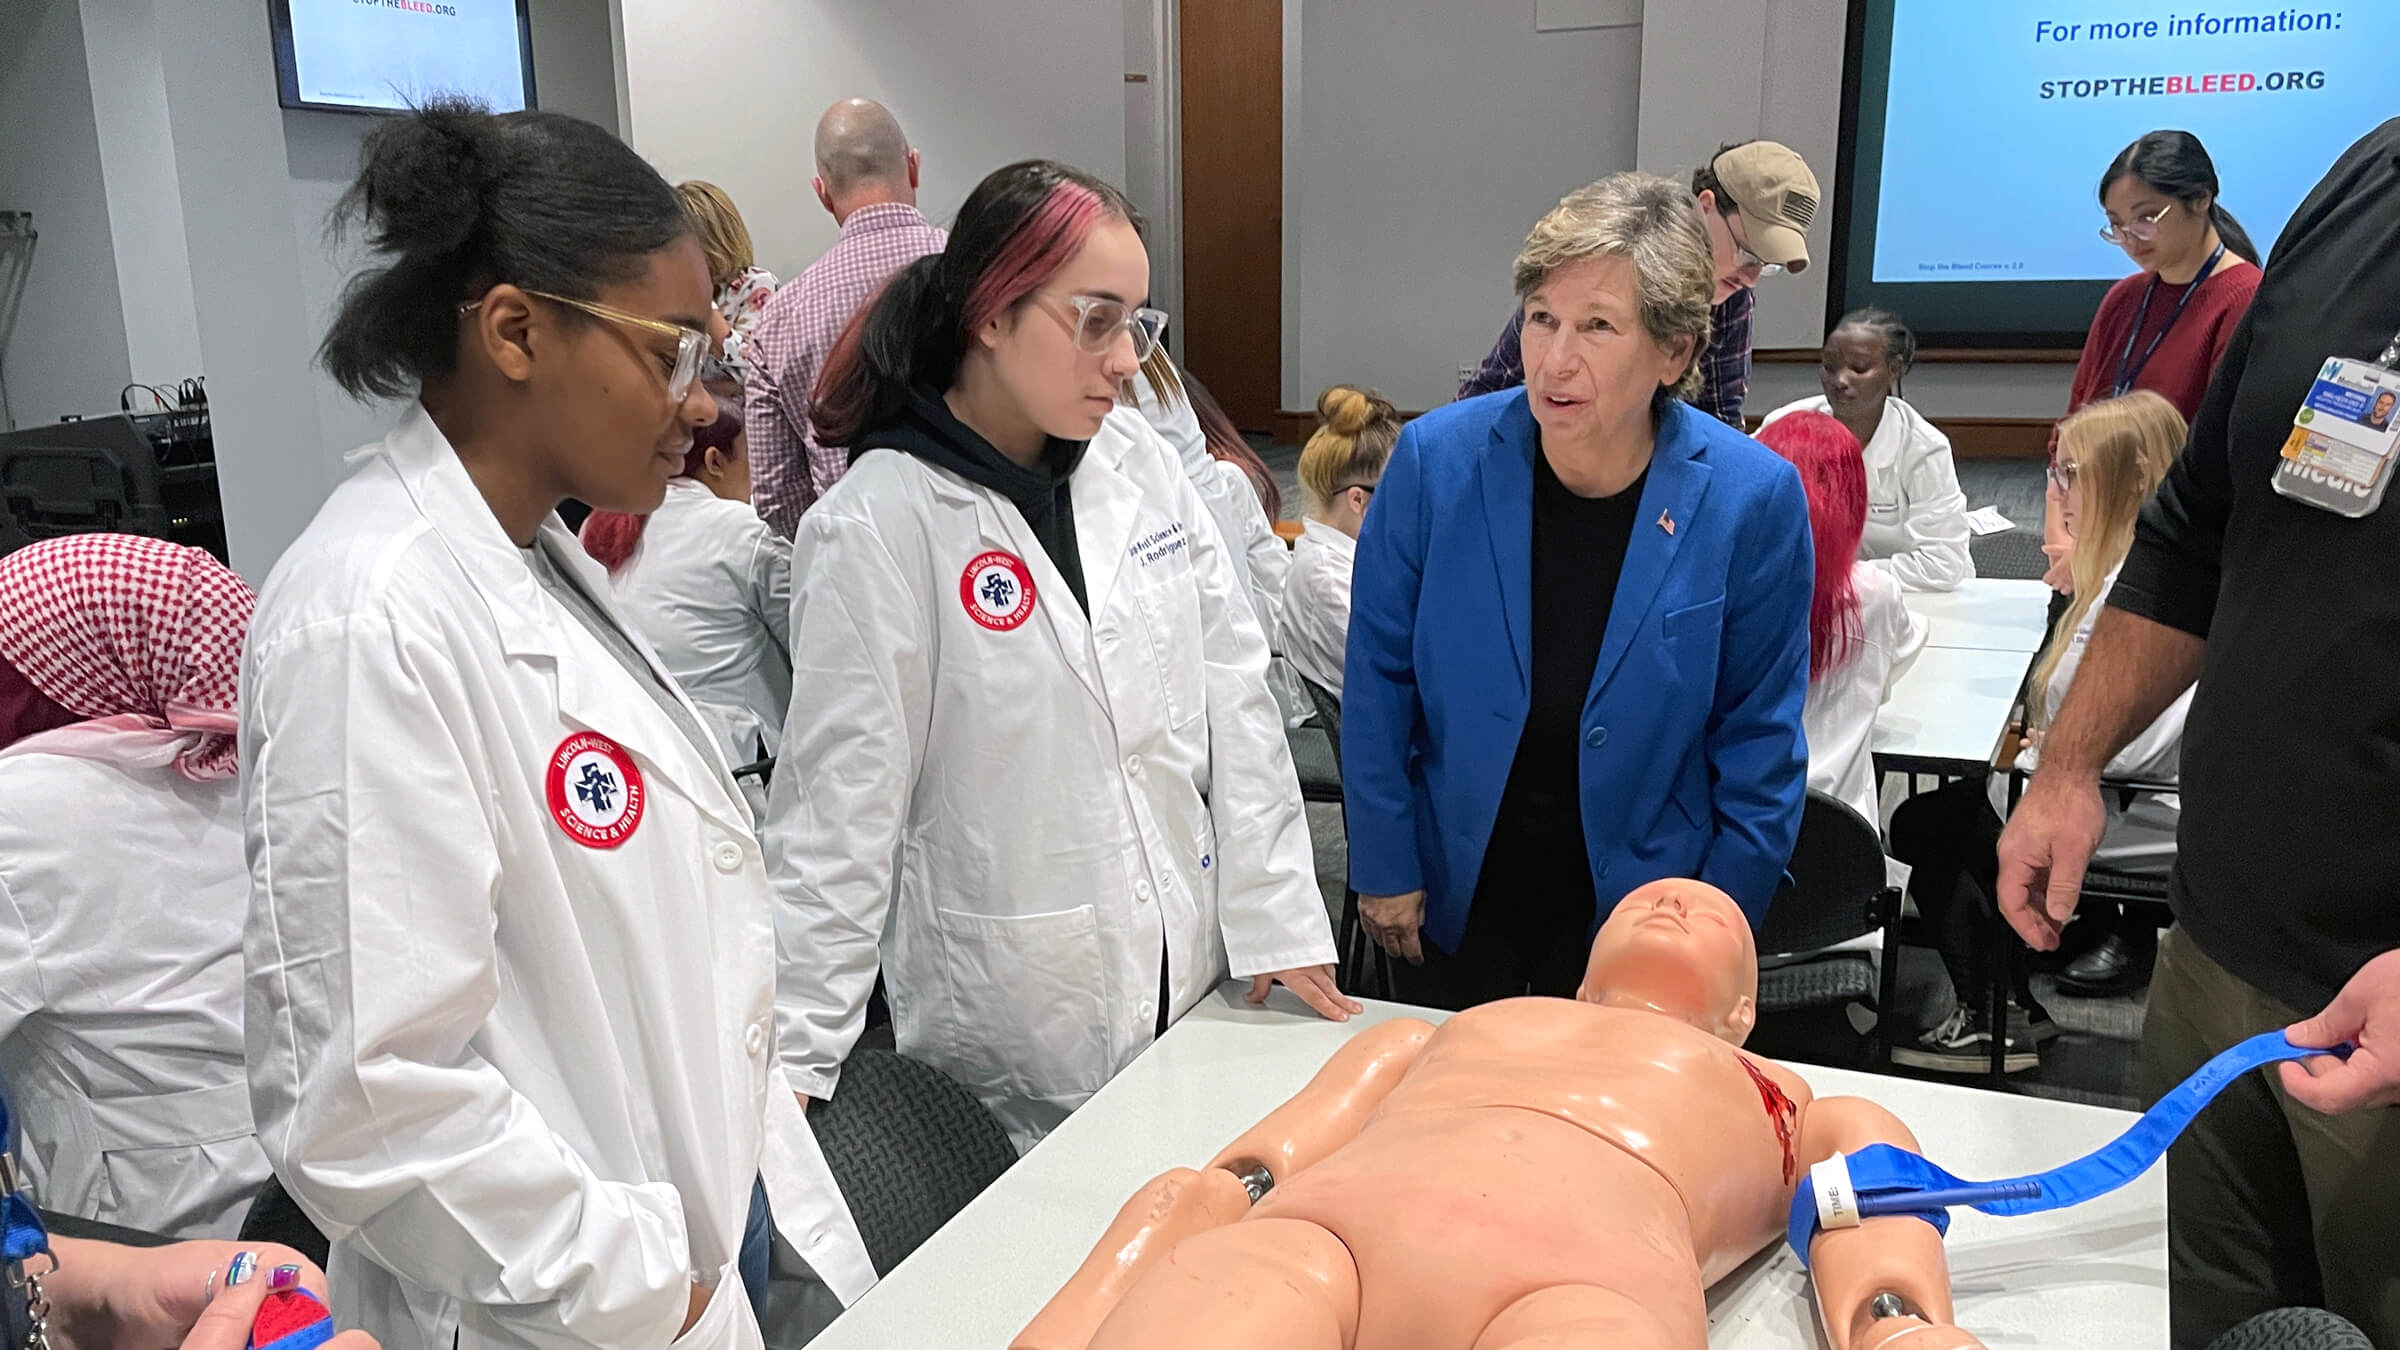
x,y
928,429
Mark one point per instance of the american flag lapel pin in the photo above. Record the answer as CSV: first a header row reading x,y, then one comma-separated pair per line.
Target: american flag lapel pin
x,y
1666,522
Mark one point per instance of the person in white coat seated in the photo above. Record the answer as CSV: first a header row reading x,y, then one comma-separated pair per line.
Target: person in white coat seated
x,y
1861,638
2112,455
709,584
510,955
1916,515
122,885
1339,468
1031,772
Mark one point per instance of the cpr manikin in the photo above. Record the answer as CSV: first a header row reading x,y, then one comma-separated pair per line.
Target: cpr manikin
x,y
1535,1172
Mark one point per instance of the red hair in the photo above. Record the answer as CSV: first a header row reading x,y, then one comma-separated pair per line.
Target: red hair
x,y
610,536
1834,472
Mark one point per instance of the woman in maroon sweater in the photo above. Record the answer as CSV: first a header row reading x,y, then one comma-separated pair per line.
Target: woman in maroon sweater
x,y
2161,329
2164,327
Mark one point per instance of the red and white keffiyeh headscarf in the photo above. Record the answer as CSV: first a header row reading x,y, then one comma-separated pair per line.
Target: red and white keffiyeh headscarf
x,y
139,638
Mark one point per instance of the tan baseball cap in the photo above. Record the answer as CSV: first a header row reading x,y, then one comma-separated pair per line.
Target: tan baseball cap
x,y
1771,186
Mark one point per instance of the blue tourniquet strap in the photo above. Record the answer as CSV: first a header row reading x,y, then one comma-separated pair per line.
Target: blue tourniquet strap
x,y
1885,1180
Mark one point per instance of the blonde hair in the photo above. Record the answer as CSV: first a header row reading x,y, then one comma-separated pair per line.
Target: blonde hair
x,y
723,236
1359,429
2121,448
1652,223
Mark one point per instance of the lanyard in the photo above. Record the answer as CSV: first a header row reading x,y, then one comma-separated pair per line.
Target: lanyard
x,y
2129,370
1880,1179
22,1241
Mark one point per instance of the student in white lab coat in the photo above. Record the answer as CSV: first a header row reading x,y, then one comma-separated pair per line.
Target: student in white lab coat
x,y
122,886
1036,777
710,586
1339,468
1861,638
2112,454
511,984
1916,515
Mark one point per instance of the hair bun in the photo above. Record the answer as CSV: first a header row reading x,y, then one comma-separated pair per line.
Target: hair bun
x,y
422,177
1346,411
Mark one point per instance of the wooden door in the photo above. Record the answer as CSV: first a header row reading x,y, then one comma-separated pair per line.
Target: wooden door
x,y
1231,80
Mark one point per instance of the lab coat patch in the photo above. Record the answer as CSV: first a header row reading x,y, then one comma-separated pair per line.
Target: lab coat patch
x,y
595,790
997,590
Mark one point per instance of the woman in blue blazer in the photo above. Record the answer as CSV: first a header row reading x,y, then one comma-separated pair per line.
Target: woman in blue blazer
x,y
1579,629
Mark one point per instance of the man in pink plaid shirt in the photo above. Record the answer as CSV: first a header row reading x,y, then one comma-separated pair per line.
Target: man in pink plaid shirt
x,y
867,177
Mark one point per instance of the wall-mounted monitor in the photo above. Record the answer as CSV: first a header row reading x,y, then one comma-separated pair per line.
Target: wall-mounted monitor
x,y
391,55
1974,134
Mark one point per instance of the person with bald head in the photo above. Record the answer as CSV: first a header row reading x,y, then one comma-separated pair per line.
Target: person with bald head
x,y
867,179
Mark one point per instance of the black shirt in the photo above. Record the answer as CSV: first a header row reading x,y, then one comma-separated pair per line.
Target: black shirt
x,y
1537,853
2288,872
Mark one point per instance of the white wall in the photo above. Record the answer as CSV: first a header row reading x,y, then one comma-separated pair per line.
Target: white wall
x,y
1430,136
65,350
975,86
1721,70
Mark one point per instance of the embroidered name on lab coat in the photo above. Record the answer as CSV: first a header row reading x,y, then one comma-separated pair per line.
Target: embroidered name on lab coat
x,y
1159,545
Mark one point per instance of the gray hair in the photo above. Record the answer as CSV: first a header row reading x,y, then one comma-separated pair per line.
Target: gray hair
x,y
1650,222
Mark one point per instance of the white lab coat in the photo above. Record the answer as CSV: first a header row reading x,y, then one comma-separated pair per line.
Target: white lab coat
x,y
1916,514
1839,716
2141,835
519,1081
1013,823
710,588
122,891
1316,604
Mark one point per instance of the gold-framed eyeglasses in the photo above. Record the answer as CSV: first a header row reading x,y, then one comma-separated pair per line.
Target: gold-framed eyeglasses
x,y
690,343
2144,228
1098,320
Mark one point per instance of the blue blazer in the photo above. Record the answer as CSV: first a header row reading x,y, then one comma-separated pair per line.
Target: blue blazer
x,y
1693,762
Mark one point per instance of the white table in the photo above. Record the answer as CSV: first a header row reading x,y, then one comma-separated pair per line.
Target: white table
x,y
1986,613
1948,710
2093,1276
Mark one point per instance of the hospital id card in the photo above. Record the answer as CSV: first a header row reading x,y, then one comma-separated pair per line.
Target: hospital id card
x,y
2344,439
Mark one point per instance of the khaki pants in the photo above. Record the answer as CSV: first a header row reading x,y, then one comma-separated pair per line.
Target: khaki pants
x,y
2269,1204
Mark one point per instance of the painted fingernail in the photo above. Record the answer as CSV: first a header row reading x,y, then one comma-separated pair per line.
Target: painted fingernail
x,y
283,1280
245,1265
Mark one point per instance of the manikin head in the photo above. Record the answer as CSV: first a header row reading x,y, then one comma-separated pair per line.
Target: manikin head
x,y
1681,949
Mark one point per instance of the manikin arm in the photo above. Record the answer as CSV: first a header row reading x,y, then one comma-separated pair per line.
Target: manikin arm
x,y
1898,1256
1321,1118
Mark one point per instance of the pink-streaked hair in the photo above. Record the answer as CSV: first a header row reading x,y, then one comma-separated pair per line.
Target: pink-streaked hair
x,y
1834,472
1016,230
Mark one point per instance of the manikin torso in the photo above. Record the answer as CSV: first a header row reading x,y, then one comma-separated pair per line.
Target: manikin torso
x,y
1549,1112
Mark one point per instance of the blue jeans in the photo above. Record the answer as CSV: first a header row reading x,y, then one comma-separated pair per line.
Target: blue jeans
x,y
752,1263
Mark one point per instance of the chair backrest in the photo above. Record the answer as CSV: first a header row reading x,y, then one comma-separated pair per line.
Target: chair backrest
x,y
2294,1329
909,1149
1329,713
274,1218
1833,886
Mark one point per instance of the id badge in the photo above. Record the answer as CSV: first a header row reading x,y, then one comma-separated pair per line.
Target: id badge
x,y
2344,439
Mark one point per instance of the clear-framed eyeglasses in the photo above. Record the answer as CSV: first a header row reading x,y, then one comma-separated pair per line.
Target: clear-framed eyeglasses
x,y
2144,228
690,343
1098,320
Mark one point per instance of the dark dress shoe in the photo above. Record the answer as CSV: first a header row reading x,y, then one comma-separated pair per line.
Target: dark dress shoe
x,y
2117,966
